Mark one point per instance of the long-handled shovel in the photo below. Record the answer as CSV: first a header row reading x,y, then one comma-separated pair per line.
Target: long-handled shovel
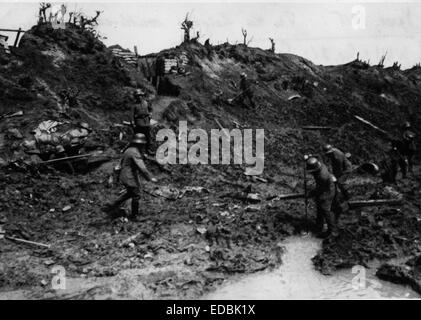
x,y
305,193
230,101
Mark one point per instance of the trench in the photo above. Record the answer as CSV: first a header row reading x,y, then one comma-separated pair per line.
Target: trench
x,y
296,278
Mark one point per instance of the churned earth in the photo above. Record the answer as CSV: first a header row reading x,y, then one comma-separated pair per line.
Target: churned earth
x,y
200,224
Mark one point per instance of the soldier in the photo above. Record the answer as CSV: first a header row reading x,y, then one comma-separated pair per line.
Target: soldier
x,y
141,117
326,197
341,167
246,89
407,148
131,165
391,163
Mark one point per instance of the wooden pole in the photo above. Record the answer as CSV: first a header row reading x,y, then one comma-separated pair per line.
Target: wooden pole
x,y
305,191
290,196
28,242
12,30
17,37
67,158
373,203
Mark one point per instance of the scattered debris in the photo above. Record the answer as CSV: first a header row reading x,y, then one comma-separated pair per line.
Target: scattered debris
x,y
66,208
369,203
201,230
11,115
28,242
293,97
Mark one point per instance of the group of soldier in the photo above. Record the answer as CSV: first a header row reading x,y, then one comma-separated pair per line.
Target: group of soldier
x,y
132,161
330,190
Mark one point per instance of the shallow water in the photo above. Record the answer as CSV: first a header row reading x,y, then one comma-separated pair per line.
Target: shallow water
x,y
297,279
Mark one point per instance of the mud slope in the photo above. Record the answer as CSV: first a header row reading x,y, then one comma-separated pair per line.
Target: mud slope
x,y
185,245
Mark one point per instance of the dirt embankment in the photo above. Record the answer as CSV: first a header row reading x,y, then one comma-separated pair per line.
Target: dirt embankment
x,y
190,239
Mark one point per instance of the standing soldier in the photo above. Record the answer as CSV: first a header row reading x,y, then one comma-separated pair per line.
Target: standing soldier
x,y
131,165
341,167
326,197
246,90
407,148
141,117
390,164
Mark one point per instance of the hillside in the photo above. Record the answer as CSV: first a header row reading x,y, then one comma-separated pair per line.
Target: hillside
x,y
168,250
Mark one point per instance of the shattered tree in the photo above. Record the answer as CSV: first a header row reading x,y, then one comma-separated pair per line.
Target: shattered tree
x,y
186,25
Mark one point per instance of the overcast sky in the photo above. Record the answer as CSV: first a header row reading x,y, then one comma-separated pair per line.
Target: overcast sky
x,y
326,32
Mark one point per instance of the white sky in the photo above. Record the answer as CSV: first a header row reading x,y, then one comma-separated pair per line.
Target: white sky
x,y
321,31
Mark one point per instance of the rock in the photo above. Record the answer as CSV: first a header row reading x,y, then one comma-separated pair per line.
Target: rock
x,y
66,208
49,262
44,282
15,133
254,197
253,208
201,230
149,255
3,163
207,248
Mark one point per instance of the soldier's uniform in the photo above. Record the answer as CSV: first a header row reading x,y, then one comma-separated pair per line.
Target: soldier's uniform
x,y
131,165
408,149
246,90
326,197
391,164
341,167
142,120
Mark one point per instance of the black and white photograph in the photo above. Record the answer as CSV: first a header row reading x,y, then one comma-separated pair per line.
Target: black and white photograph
x,y
210,154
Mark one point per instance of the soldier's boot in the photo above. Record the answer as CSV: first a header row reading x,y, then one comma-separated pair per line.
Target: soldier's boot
x,y
403,165
332,228
319,224
135,209
410,165
344,191
110,208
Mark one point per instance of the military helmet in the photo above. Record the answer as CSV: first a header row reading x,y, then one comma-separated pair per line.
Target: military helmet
x,y
313,165
139,138
408,135
139,93
60,148
406,125
85,125
328,148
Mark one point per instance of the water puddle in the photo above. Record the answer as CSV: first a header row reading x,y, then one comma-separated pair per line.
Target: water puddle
x,y
297,279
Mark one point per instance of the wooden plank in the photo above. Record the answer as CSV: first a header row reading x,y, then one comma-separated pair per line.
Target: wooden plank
x,y
13,30
316,128
370,124
17,38
373,203
289,196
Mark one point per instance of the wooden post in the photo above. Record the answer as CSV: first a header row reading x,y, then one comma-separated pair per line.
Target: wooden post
x,y
17,37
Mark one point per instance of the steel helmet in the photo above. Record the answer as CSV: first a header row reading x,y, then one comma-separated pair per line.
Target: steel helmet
x,y
313,165
328,148
139,138
408,135
407,125
139,93
85,125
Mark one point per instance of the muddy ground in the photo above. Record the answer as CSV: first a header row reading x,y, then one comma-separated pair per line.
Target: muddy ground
x,y
179,248
189,240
